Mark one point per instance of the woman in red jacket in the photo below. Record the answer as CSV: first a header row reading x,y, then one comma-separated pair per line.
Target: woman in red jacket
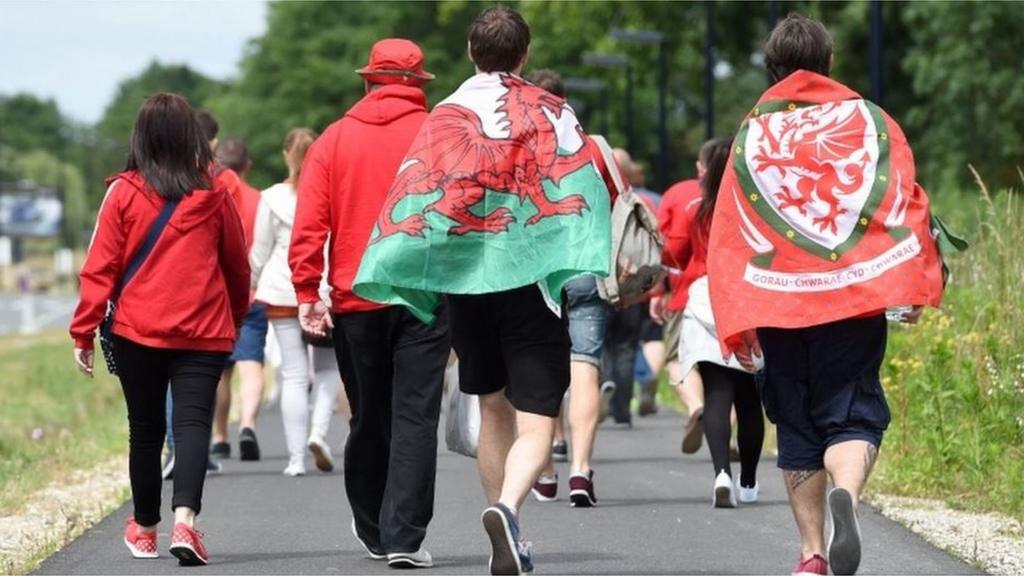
x,y
178,302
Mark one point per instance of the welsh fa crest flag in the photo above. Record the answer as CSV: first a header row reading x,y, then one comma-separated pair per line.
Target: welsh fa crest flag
x,y
498,191
819,217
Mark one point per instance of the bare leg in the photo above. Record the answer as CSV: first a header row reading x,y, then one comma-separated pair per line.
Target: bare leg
x,y
690,389
584,400
222,408
497,433
850,464
654,354
251,391
806,489
526,457
560,425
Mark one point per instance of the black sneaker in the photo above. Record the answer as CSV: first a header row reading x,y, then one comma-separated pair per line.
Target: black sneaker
x,y
844,539
559,451
221,450
509,555
213,466
248,446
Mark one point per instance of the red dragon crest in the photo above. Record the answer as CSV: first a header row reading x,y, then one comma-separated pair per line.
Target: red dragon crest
x,y
456,155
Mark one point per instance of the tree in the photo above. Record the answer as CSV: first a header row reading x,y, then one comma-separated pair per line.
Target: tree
x,y
45,169
29,123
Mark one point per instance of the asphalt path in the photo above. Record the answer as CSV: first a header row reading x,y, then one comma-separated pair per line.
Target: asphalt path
x,y
45,312
654,516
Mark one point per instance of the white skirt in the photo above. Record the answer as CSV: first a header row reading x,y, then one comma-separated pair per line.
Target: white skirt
x,y
698,339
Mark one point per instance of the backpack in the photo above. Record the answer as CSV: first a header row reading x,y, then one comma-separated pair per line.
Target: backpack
x,y
636,242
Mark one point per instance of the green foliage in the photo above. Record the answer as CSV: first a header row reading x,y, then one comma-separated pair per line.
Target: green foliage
x,y
956,382
28,123
53,420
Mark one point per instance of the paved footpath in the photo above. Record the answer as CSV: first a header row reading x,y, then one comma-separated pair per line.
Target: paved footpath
x,y
654,516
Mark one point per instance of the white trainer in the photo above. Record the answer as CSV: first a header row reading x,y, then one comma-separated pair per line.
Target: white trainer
x,y
748,495
321,453
418,559
295,468
724,496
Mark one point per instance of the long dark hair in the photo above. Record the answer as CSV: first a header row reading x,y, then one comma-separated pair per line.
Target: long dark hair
x,y
168,147
713,155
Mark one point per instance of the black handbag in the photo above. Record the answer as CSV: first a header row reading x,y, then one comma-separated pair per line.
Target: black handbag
x,y
106,327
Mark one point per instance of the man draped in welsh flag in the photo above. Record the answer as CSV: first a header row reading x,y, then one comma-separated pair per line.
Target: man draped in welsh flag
x,y
819,226
497,204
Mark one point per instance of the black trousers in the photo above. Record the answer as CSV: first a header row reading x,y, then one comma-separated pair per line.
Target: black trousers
x,y
618,362
393,367
724,388
193,376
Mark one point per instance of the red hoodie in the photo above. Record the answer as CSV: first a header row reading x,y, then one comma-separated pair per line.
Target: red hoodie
x,y
677,211
192,290
246,198
345,178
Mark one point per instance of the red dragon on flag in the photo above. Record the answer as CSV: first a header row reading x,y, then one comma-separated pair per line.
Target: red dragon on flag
x,y
818,217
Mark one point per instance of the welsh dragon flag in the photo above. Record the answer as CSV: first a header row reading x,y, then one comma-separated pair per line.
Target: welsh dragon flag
x,y
498,191
819,217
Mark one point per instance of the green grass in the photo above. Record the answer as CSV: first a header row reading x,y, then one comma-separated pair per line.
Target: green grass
x,y
52,419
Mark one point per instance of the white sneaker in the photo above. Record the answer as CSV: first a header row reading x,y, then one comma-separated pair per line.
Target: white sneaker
x,y
295,468
724,496
418,559
748,495
321,453
373,555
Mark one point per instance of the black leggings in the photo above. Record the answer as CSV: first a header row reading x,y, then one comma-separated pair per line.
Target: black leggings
x,y
724,387
193,376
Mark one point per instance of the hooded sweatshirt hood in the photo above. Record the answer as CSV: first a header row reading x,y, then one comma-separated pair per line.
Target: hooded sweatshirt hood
x,y
388,103
195,207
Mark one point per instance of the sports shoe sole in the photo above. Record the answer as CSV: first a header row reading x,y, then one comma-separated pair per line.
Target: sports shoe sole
x,y
723,497
844,541
504,555
136,553
693,437
248,450
581,499
541,497
402,562
186,555
373,555
321,457
559,457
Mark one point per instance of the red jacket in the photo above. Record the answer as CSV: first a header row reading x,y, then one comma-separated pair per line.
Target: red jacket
x,y
246,198
193,289
677,211
345,178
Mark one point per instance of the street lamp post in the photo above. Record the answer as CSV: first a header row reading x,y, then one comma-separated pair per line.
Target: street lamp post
x,y
591,86
654,37
618,61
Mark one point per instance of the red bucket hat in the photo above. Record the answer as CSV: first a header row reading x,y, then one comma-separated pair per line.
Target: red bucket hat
x,y
396,61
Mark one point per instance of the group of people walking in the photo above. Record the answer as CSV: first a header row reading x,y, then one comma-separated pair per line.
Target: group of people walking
x,y
483,228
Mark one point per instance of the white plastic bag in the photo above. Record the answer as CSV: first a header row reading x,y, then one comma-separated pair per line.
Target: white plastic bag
x,y
462,424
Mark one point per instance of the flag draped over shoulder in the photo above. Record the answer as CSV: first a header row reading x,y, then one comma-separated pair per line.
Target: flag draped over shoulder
x,y
498,191
818,217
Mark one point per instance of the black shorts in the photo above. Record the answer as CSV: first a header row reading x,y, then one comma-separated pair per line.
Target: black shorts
x,y
511,340
820,386
649,330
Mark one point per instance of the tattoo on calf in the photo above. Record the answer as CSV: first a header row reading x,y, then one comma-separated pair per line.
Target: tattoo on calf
x,y
794,478
870,456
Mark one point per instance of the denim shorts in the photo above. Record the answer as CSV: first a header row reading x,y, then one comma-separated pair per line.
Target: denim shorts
x,y
588,319
820,386
252,336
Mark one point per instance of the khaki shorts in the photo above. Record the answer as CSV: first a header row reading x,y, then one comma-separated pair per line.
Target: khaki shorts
x,y
673,326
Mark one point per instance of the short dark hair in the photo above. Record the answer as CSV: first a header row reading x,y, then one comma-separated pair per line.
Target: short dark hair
x,y
169,148
547,79
234,154
208,124
798,43
498,39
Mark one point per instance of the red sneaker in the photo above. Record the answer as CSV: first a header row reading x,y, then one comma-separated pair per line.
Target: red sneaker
x,y
814,566
142,544
581,490
545,489
187,546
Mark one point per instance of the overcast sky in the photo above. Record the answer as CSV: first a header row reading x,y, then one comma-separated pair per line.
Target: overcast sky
x,y
78,52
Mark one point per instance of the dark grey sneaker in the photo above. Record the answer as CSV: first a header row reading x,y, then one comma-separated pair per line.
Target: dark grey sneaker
x,y
168,469
844,538
508,554
221,450
559,451
604,406
248,446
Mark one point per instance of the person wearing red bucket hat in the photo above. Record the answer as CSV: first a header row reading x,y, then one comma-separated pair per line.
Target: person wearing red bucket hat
x,y
391,362
395,61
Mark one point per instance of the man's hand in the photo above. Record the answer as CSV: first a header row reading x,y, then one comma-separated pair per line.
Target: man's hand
x,y
657,310
748,349
84,359
315,318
